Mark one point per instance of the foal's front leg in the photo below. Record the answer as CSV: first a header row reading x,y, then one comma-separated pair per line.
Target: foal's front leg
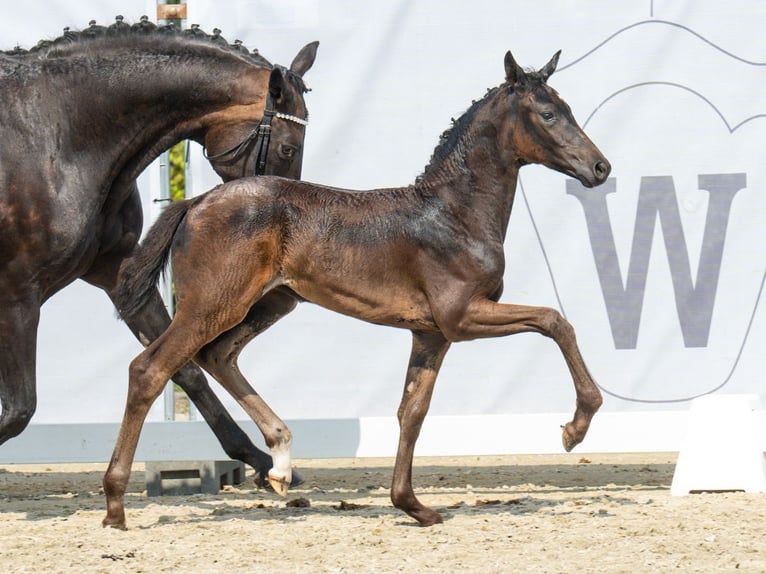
x,y
485,318
428,351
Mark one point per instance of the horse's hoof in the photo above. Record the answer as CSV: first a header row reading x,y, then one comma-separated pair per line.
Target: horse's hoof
x,y
568,440
114,523
280,484
262,482
430,518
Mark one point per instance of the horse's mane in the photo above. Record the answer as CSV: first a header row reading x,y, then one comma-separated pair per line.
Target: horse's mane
x,y
453,135
144,28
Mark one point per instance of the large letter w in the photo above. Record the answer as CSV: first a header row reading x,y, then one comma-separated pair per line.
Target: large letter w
x,y
657,199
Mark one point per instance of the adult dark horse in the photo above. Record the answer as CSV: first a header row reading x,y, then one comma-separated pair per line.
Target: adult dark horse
x,y
81,117
428,257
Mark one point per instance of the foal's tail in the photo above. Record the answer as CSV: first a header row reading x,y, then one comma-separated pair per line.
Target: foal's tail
x,y
140,273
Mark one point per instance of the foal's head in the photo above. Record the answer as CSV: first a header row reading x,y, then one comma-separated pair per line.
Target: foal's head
x,y
545,131
232,145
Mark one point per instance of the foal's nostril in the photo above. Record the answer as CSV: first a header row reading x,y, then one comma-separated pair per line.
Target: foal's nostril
x,y
601,169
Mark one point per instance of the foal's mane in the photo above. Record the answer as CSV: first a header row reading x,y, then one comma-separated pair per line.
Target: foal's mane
x,y
452,137
98,37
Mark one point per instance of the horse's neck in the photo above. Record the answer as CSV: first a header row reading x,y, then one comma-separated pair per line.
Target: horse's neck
x,y
131,109
479,187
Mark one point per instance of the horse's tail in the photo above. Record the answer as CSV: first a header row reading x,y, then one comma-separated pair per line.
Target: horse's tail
x,y
140,273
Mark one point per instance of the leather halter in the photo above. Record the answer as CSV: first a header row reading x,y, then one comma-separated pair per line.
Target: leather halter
x,y
262,136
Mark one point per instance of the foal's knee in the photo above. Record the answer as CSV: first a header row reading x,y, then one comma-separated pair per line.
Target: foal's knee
x,y
555,325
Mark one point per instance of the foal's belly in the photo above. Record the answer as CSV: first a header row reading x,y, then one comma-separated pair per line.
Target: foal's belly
x,y
375,302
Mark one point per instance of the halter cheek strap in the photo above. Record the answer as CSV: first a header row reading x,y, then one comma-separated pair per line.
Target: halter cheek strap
x,y
262,136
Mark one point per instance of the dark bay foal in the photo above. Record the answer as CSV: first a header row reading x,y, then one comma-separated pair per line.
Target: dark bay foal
x,y
428,258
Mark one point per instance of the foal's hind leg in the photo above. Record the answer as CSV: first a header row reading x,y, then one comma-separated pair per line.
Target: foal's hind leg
x,y
219,358
18,337
222,354
147,325
149,372
428,351
153,319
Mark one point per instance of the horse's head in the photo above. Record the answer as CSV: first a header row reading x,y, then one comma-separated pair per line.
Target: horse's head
x,y
545,130
272,144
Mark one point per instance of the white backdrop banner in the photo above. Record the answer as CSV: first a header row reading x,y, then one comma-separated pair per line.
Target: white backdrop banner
x,y
660,270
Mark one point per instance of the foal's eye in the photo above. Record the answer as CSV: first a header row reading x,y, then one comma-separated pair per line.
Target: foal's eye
x,y
287,151
547,116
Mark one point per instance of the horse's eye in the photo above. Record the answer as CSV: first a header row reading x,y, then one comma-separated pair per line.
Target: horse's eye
x,y
547,116
287,151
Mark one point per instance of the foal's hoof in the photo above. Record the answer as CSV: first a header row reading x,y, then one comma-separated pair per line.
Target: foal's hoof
x,y
280,484
114,523
261,480
568,439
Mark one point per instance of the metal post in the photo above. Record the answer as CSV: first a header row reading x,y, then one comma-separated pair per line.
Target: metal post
x,y
168,13
166,289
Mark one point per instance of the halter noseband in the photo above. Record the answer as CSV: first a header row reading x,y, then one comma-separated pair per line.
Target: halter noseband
x,y
262,136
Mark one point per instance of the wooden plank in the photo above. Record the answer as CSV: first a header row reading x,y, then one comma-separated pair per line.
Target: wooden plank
x,y
171,11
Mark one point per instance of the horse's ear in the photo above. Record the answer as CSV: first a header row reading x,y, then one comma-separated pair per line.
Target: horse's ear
x,y
304,59
513,72
547,70
276,83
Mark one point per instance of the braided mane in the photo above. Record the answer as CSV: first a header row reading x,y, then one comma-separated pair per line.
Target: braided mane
x,y
143,28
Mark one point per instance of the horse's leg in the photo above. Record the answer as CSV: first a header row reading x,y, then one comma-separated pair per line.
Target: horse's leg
x,y
219,358
147,325
18,347
153,319
148,374
222,354
428,351
485,318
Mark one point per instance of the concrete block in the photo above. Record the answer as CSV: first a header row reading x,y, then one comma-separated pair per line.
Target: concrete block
x,y
192,477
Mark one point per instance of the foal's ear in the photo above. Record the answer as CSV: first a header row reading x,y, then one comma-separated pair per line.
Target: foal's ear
x,y
547,70
513,72
276,83
304,59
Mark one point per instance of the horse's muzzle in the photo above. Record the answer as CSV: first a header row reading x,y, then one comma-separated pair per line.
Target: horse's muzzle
x,y
594,174
601,170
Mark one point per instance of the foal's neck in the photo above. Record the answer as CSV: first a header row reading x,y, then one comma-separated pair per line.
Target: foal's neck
x,y
478,181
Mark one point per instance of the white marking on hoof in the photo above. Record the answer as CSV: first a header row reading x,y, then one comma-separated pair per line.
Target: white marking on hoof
x,y
281,473
280,484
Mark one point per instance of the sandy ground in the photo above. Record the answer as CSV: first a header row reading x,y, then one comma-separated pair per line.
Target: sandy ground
x,y
563,513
